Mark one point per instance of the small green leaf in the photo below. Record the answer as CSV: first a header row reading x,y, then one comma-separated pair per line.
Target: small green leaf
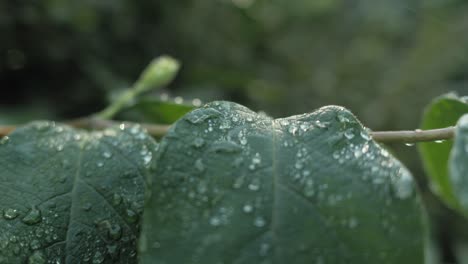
x,y
157,111
442,112
158,73
459,164
232,186
69,196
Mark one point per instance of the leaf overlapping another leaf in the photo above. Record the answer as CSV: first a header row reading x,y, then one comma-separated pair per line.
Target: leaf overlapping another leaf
x,y
232,186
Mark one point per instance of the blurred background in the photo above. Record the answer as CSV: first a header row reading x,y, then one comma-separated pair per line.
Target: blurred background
x,y
382,59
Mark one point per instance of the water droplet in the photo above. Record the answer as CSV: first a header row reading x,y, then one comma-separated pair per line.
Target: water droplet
x,y
439,141
353,222
264,248
365,135
107,155
115,232
134,130
131,216
59,148
10,213
259,221
215,221
35,244
403,185
298,165
4,140
304,127
34,216
198,142
147,159
196,102
342,118
320,124
199,116
256,159
238,182
336,154
100,164
98,258
254,185
249,119
349,133
409,144
247,208
201,187
178,100
292,129
199,165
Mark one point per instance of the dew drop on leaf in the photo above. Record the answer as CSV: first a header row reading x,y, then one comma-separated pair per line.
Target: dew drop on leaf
x,y
34,216
10,213
215,221
403,185
365,135
247,208
264,248
259,221
199,165
4,140
35,244
131,216
198,142
349,133
115,232
98,258
254,185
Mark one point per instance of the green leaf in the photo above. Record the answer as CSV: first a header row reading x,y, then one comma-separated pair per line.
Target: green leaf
x,y
232,186
459,164
69,196
442,112
157,111
161,71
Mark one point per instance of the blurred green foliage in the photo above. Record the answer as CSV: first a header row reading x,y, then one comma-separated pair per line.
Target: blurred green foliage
x,y
383,59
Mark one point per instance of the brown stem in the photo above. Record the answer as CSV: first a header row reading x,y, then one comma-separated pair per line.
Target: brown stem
x,y
413,136
410,136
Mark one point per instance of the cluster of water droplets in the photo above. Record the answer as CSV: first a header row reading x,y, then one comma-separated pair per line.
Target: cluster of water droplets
x,y
180,100
40,221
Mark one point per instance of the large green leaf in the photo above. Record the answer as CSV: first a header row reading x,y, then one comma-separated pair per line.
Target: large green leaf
x,y
69,196
459,164
442,112
232,186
